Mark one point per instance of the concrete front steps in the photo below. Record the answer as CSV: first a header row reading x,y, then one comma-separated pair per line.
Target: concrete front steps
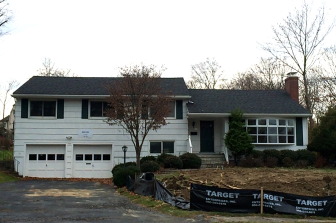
x,y
212,160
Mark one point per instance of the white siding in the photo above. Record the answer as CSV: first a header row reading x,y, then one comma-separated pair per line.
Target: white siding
x,y
55,131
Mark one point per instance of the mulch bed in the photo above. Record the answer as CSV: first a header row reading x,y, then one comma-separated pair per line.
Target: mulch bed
x,y
107,181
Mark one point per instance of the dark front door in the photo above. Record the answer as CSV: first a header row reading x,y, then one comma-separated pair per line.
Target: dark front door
x,y
207,136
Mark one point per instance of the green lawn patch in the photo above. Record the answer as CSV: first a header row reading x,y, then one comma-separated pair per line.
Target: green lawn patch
x,y
4,177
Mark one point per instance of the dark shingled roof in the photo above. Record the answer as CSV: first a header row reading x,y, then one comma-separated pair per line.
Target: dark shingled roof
x,y
40,85
249,101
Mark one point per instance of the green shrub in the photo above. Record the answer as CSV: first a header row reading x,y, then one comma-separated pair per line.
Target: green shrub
x,y
120,175
257,154
272,153
288,153
162,157
287,162
149,166
121,165
148,158
301,163
191,161
271,161
307,155
251,161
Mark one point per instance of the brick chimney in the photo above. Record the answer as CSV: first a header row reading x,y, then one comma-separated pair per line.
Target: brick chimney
x,y
292,87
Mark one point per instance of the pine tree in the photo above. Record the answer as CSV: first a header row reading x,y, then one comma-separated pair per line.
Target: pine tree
x,y
238,141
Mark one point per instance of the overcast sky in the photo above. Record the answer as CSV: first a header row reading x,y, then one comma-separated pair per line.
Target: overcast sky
x,y
95,38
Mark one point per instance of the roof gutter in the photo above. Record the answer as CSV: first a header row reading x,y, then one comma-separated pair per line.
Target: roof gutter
x,y
78,96
247,115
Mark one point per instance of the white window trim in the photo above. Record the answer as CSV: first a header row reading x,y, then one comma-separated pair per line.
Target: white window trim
x,y
95,117
277,126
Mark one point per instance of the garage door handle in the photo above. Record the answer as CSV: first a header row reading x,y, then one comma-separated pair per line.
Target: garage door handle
x,y
88,163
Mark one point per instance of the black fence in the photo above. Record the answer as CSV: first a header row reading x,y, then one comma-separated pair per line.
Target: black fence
x,y
208,198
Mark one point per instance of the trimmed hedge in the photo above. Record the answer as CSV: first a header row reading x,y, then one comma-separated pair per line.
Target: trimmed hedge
x,y
121,165
148,158
191,161
286,158
121,175
149,166
170,161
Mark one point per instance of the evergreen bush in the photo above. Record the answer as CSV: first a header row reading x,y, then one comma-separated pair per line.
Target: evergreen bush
x,y
120,175
191,161
147,158
149,166
121,165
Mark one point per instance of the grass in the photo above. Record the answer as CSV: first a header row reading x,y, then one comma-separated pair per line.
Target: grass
x,y
6,154
4,177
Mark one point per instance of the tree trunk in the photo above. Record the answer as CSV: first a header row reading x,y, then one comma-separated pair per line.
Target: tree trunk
x,y
138,152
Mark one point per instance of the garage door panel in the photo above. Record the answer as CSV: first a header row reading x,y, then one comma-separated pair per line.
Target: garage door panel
x,y
92,161
45,161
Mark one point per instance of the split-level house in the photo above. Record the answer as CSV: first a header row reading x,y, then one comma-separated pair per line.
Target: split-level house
x,y
60,129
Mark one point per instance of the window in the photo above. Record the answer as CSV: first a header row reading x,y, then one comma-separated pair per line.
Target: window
x,y
271,131
88,156
97,156
162,147
60,156
97,108
171,109
106,157
51,156
43,108
79,157
32,156
42,157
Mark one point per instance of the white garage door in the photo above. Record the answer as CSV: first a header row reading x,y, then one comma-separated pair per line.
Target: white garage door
x,y
45,161
92,161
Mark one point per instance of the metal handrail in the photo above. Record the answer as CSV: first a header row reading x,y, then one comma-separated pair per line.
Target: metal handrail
x,y
17,164
190,144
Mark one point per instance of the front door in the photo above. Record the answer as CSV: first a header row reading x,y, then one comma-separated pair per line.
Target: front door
x,y
207,136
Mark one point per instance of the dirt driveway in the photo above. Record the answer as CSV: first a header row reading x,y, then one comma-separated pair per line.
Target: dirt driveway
x,y
63,201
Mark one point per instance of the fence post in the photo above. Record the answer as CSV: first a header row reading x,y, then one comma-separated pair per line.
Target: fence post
x,y
261,200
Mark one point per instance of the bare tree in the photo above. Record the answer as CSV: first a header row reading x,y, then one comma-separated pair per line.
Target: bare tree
x,y
329,71
206,75
138,104
48,69
4,16
298,42
267,74
4,99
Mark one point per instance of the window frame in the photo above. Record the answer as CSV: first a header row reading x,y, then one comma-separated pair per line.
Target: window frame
x,y
266,131
83,157
162,149
42,116
104,106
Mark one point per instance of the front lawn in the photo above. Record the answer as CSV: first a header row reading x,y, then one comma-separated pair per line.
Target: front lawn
x,y
4,177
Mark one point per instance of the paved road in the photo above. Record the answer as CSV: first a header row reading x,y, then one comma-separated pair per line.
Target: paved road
x,y
63,201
